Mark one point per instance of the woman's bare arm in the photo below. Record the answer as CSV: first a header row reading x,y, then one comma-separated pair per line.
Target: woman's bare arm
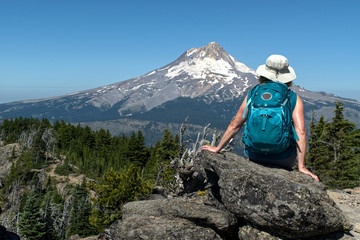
x,y
232,129
299,125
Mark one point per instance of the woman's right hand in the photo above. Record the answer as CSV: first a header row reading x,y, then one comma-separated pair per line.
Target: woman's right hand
x,y
210,148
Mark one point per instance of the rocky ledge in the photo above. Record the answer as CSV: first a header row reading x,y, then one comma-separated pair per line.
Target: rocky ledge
x,y
244,200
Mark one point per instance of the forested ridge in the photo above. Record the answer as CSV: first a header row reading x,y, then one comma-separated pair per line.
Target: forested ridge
x,y
119,169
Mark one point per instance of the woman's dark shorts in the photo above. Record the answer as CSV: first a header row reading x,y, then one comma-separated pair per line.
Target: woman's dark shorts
x,y
286,160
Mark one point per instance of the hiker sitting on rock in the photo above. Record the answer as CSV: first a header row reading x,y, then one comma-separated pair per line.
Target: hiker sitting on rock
x,y
275,131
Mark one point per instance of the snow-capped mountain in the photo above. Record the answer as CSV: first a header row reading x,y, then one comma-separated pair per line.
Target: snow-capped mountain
x,y
206,83
208,71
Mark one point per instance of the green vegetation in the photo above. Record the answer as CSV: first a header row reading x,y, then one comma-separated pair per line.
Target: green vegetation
x,y
334,151
64,169
122,169
80,213
158,166
114,190
31,225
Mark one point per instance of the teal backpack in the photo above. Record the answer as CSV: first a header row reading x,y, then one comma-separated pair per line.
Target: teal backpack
x,y
269,128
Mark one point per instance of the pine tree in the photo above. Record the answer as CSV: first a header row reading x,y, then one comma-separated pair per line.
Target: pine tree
x,y
80,213
317,161
158,166
31,224
38,147
50,233
333,151
137,152
342,138
169,148
47,205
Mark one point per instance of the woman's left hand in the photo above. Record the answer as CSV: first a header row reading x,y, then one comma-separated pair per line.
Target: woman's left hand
x,y
307,172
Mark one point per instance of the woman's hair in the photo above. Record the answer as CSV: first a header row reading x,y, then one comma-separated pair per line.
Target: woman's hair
x,y
263,79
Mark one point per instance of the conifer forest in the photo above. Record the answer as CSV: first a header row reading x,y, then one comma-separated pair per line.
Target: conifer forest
x,y
119,169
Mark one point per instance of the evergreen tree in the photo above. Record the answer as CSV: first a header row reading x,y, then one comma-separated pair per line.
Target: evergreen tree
x,y
50,233
158,167
20,170
342,138
80,213
38,148
316,160
333,151
116,189
31,224
50,199
137,152
169,148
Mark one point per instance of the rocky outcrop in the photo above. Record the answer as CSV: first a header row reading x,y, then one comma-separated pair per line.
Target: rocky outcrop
x,y
287,203
245,201
171,219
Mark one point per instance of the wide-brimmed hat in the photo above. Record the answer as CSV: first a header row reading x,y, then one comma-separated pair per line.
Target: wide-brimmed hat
x,y
277,69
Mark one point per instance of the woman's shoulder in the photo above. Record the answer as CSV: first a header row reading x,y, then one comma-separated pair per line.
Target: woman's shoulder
x,y
293,95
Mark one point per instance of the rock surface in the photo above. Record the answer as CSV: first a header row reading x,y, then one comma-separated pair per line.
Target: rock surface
x,y
348,201
171,219
244,200
287,203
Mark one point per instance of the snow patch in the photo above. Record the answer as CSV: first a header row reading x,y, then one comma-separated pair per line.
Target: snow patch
x,y
151,73
201,68
241,67
191,52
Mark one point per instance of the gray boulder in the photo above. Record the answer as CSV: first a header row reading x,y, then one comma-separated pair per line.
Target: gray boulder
x,y
171,219
286,203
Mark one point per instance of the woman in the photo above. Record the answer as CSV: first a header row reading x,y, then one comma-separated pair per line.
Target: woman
x,y
276,69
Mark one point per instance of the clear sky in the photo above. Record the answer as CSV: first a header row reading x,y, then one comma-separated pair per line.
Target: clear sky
x,y
55,47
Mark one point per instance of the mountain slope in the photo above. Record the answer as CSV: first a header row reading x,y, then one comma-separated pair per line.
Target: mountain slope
x,y
208,71
206,83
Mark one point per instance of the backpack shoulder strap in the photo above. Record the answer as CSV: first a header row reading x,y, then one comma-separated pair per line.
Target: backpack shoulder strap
x,y
292,101
247,104
295,134
249,98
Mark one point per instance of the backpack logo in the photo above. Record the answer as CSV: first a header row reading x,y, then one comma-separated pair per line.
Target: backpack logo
x,y
268,128
266,96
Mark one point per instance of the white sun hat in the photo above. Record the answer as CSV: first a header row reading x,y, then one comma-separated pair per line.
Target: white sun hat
x,y
277,69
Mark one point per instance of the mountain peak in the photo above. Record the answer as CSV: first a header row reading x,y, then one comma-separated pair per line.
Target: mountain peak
x,y
213,47
208,62
212,50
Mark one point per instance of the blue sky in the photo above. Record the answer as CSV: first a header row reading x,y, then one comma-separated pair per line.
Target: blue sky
x,y
50,48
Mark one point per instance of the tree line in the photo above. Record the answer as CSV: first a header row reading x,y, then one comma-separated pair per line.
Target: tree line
x,y
118,169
